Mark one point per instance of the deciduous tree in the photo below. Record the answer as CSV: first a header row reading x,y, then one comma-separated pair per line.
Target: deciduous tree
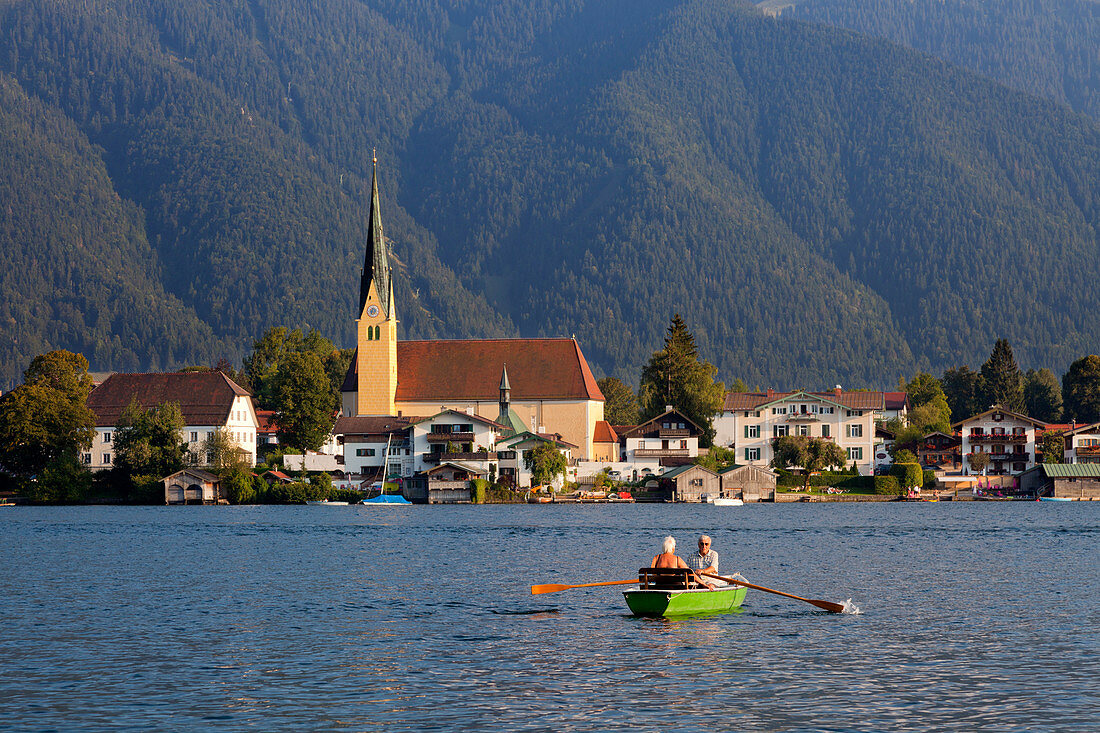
x,y
304,403
978,462
930,411
1054,448
621,404
46,419
149,441
806,454
261,367
544,461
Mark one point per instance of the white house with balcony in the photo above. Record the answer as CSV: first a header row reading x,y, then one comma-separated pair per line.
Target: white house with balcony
x,y
1083,444
368,443
1007,437
455,436
750,421
210,401
668,440
512,450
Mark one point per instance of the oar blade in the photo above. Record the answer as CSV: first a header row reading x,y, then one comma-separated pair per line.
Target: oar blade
x,y
548,588
828,605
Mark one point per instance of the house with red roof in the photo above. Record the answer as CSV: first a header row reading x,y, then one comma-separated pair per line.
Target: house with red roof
x,y
668,440
1082,442
1008,438
209,401
894,405
750,421
553,389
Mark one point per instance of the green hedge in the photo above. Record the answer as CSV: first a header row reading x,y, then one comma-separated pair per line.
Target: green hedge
x,y
886,485
909,475
478,488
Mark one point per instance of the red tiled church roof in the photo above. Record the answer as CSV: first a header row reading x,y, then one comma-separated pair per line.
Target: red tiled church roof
x,y
431,371
204,397
604,433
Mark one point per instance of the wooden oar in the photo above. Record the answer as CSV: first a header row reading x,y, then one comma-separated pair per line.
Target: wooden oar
x,y
554,588
827,605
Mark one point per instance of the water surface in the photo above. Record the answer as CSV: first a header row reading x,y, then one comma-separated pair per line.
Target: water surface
x,y
975,616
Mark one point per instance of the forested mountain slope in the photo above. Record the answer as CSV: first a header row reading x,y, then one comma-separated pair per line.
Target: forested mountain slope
x,y
1050,48
821,207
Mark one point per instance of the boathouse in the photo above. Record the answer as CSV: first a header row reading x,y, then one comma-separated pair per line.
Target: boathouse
x,y
1079,481
748,483
691,483
193,486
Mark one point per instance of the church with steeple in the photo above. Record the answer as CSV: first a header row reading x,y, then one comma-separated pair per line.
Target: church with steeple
x,y
541,386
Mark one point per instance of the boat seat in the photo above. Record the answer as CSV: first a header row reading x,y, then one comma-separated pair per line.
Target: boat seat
x,y
666,578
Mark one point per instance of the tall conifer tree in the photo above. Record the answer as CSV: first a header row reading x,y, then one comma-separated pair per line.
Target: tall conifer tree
x,y
1002,384
675,376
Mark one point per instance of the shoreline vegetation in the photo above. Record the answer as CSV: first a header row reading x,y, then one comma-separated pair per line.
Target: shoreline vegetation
x,y
46,424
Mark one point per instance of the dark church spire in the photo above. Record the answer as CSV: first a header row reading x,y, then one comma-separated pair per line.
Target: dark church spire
x,y
505,391
376,264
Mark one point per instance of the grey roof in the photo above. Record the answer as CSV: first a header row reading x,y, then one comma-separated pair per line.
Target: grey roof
x,y
1070,470
674,472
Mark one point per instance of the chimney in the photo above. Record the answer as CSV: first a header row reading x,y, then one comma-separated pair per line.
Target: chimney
x,y
668,408
837,390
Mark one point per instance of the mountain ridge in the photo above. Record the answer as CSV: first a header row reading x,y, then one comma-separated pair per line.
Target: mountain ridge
x,y
554,170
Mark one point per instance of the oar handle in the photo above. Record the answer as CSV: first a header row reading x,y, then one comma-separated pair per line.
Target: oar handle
x,y
554,587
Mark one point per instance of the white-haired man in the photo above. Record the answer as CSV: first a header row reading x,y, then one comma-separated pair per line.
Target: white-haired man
x,y
705,560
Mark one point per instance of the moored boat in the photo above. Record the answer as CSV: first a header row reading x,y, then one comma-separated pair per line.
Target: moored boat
x,y
387,500
326,502
727,502
1055,498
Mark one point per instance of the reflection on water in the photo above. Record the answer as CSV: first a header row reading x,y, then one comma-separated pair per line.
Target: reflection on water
x,y
283,618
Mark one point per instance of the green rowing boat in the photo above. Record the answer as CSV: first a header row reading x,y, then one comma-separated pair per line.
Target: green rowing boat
x,y
669,592
670,602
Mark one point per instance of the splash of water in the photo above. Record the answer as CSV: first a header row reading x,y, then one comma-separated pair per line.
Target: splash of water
x,y
850,607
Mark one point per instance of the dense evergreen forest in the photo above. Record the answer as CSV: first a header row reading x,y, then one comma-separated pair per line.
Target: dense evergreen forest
x,y
821,207
1050,48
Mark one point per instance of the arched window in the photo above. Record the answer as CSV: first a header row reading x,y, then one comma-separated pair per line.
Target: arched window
x,y
377,333
370,334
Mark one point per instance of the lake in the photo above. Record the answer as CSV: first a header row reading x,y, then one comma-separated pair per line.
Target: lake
x,y
974,616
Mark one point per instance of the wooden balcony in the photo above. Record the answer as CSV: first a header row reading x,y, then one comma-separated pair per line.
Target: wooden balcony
x,y
674,433
1010,457
457,456
1088,450
990,438
434,437
662,453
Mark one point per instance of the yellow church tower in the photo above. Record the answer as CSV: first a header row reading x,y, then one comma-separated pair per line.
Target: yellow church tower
x,y
376,327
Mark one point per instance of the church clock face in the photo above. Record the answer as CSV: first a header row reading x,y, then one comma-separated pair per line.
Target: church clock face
x,y
372,311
